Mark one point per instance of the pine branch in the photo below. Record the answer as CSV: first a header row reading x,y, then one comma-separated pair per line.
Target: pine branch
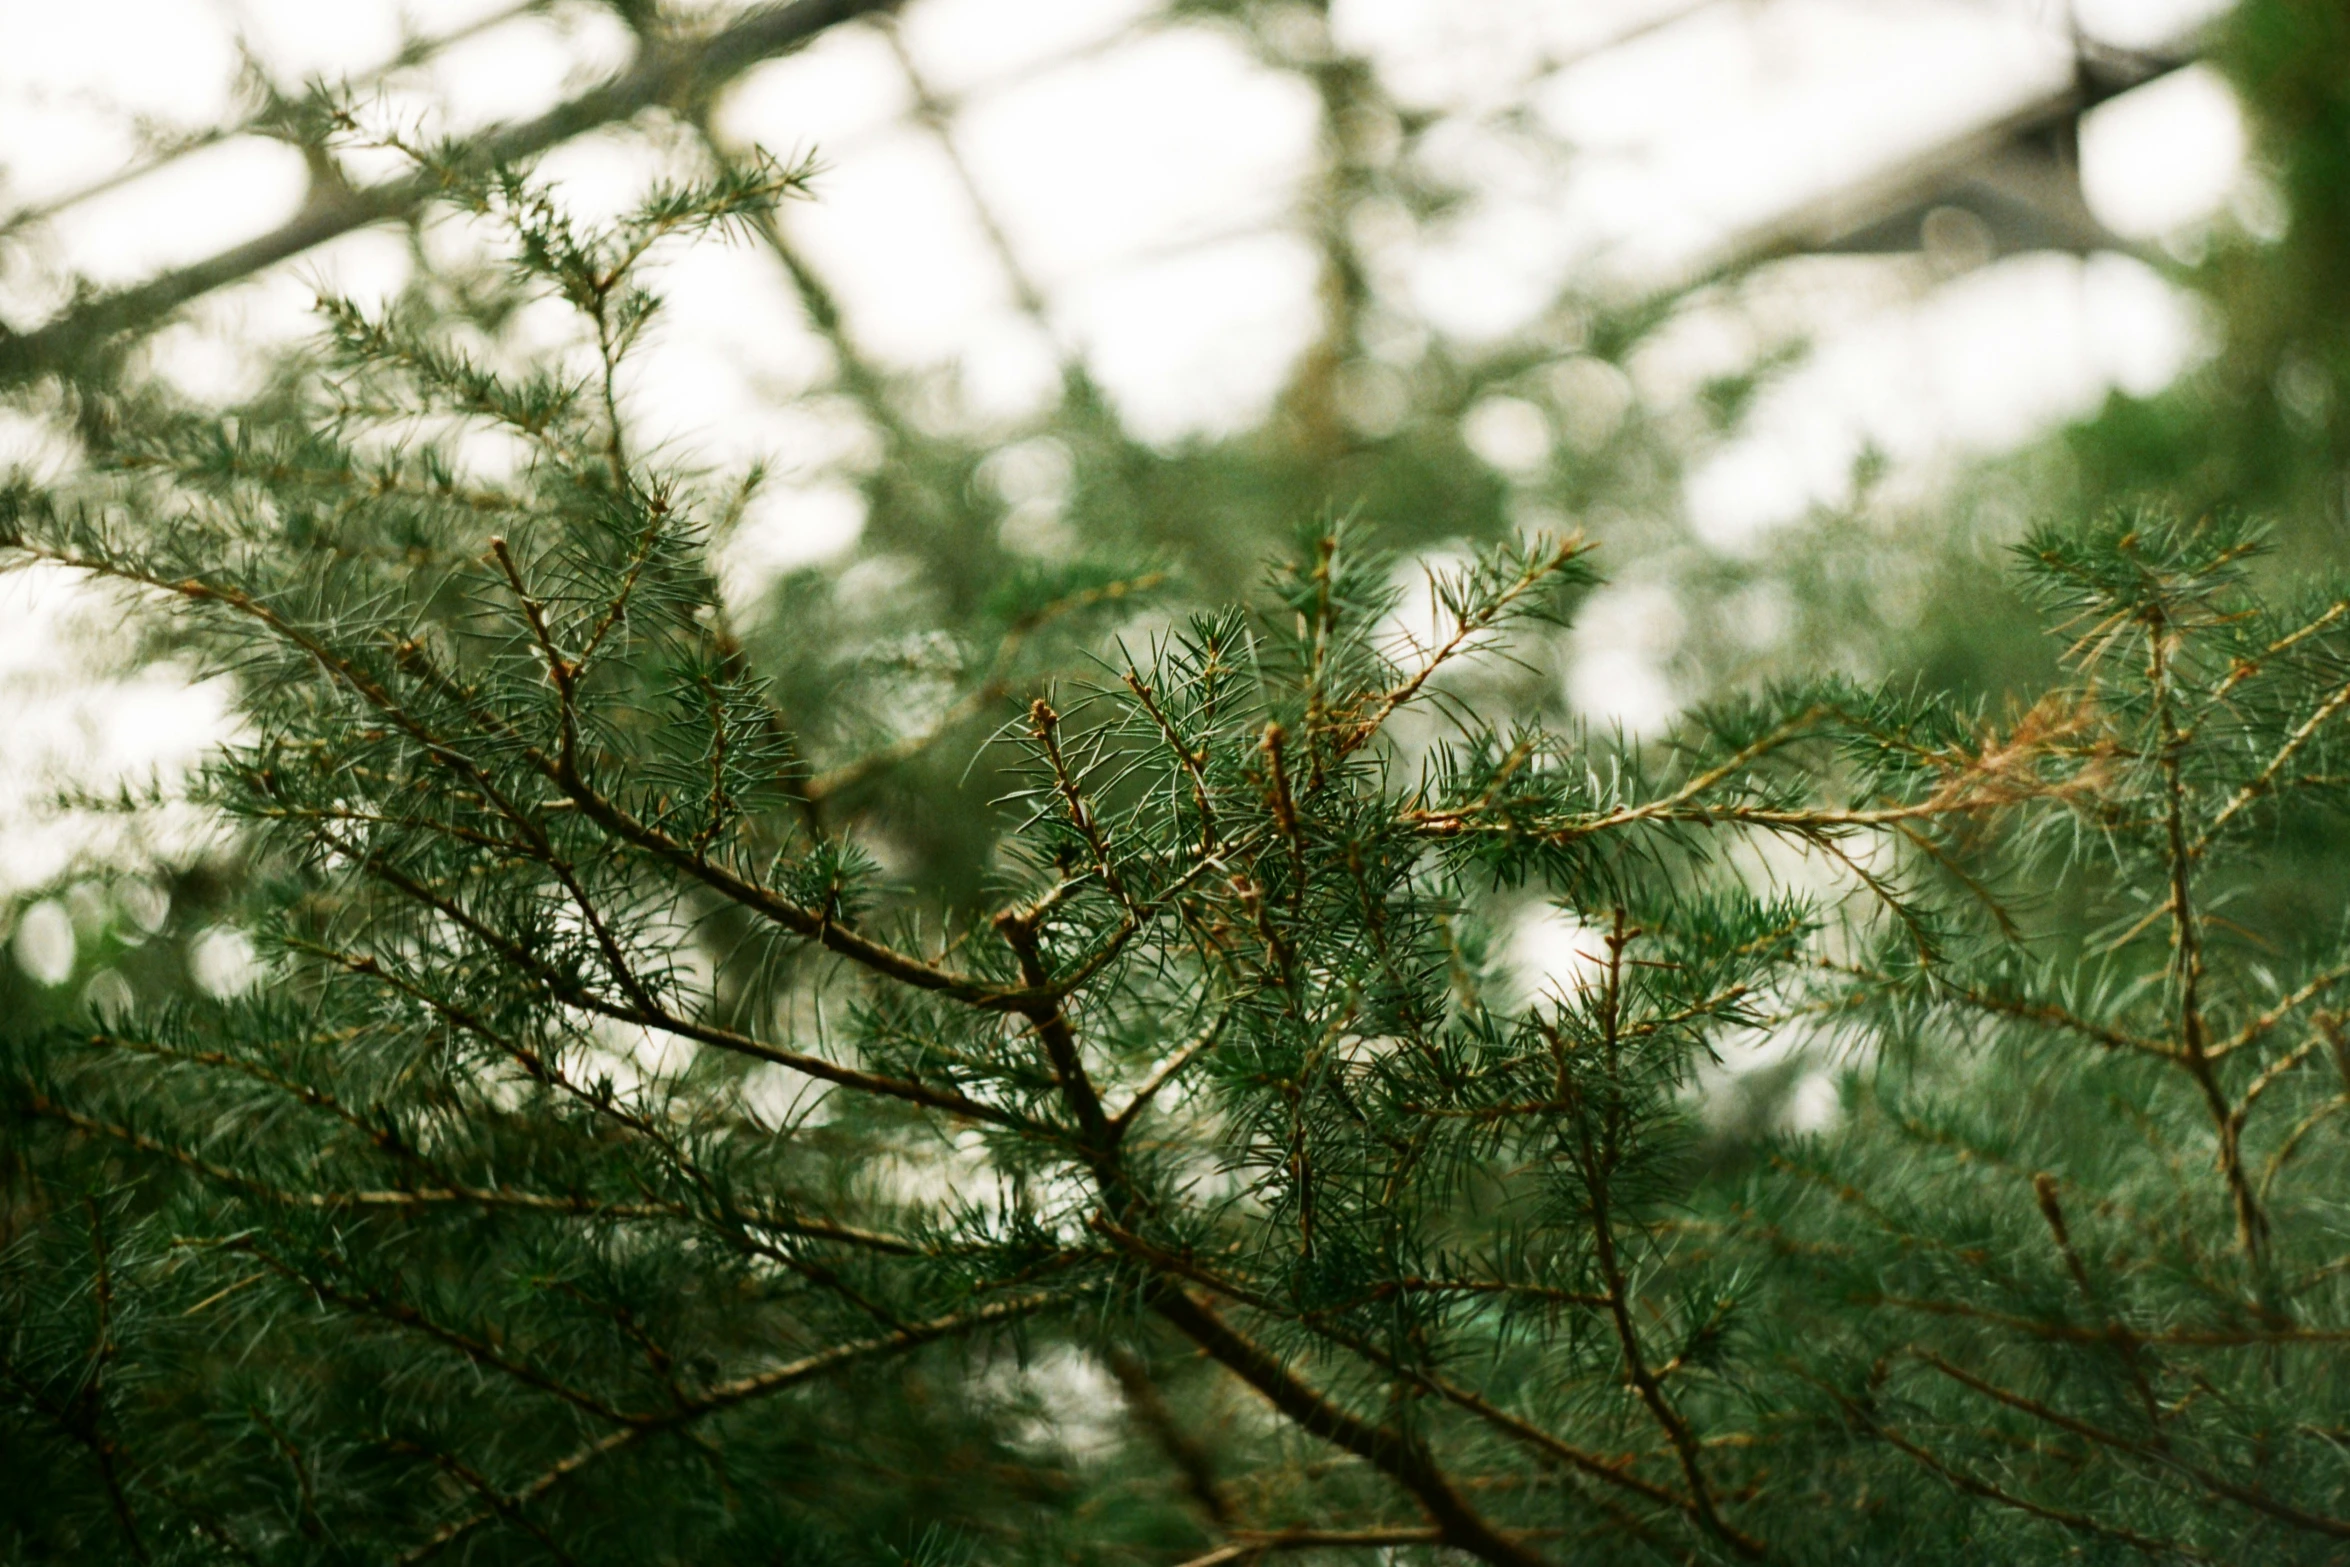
x,y
2153,1455
1975,1485
2187,961
730,1395
675,72
1249,1545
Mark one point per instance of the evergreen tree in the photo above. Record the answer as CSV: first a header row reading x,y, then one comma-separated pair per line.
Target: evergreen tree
x,y
616,1163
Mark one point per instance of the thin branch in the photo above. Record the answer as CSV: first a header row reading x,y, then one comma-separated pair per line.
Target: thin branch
x,y
2044,1190
814,924
505,1508
1193,761
1248,1545
728,1395
180,147
2272,1074
1192,1461
2284,1008
2047,1013
1044,725
2246,668
991,689
367,1302
1614,1472
1466,628
672,72
2187,946
875,1083
1597,1166
1399,1457
1171,1068
91,1405
2218,1485
2077,1333
1975,1485
2267,777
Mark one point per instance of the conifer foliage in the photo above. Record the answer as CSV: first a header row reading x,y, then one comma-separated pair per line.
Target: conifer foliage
x,y
614,1165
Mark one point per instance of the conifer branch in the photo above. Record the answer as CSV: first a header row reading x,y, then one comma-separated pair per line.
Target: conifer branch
x,y
2154,1455
458,1194
2113,1332
1249,1545
991,689
1192,1461
2187,942
88,1415
732,1394
1168,1070
1597,1165
361,1301
2047,1013
1044,726
1614,1472
1975,1485
1194,762
2266,778
674,72
505,1508
2044,1190
1456,1523
660,1018
1544,562
2258,1026
540,872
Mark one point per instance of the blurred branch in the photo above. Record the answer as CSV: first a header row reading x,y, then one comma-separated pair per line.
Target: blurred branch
x,y
1248,1547
936,116
991,689
414,52
854,371
727,1395
672,72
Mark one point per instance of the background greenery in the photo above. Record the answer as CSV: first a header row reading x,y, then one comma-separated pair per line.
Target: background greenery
x,y
897,662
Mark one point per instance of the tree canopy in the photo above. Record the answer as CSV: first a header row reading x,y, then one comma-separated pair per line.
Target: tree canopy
x,y
618,1160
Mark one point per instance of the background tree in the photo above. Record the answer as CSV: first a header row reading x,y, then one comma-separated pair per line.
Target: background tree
x,y
464,1267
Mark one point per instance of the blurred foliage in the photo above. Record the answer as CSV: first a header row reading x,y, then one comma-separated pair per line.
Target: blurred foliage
x,y
2262,429
2265,428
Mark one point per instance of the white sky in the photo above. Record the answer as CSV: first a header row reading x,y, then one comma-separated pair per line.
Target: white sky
x,y
1148,177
